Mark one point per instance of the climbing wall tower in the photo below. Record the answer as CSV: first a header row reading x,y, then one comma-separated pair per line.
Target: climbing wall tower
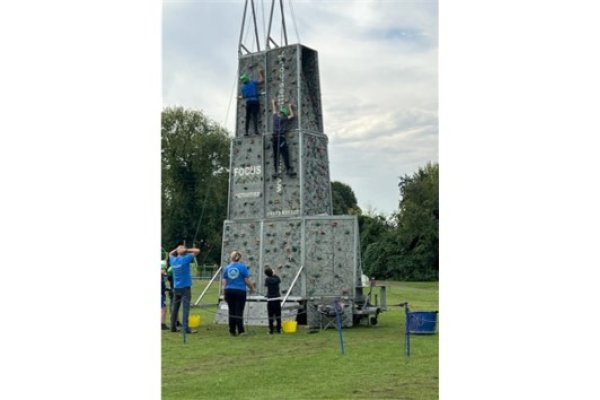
x,y
286,222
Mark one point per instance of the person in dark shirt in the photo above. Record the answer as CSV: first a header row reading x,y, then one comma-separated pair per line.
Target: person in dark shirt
x,y
171,287
163,298
281,120
250,93
273,300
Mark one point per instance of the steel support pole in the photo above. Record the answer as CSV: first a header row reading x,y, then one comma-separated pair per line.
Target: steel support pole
x,y
292,286
255,26
242,30
267,45
207,286
283,22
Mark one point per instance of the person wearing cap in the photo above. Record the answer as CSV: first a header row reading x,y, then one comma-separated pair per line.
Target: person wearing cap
x,y
281,118
234,280
180,259
250,92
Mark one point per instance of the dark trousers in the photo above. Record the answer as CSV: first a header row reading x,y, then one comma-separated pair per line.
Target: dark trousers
x,y
236,301
252,113
180,295
170,293
274,311
280,146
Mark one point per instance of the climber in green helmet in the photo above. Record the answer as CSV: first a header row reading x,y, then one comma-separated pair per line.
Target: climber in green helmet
x,y
250,93
281,120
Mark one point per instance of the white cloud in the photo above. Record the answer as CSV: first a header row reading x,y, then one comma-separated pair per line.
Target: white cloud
x,y
378,65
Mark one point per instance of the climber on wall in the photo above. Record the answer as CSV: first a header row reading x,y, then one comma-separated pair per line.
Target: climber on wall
x,y
250,93
281,119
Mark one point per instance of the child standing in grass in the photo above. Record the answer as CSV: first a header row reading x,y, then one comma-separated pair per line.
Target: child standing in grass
x,y
273,302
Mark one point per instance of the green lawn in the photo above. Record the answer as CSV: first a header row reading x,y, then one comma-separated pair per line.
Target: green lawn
x,y
213,365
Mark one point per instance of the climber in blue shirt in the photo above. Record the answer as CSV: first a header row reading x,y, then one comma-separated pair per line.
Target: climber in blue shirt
x,y
250,93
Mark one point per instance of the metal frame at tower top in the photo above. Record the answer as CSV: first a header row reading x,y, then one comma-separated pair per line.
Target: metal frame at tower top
x,y
269,41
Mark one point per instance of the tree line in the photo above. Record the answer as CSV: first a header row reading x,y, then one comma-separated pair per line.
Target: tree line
x,y
195,173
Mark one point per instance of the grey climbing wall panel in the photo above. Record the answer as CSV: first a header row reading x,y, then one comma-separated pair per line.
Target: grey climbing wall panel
x,y
245,237
289,78
327,246
331,257
316,182
310,92
282,195
283,84
282,251
246,180
293,78
254,193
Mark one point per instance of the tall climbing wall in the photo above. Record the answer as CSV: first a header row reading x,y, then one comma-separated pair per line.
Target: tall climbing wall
x,y
284,222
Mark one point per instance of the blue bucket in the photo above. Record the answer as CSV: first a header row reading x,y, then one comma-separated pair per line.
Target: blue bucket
x,y
422,322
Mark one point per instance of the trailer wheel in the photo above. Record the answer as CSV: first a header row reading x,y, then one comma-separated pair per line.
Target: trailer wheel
x,y
373,320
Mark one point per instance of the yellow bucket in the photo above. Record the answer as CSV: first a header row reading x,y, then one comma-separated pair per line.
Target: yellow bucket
x,y
194,321
289,326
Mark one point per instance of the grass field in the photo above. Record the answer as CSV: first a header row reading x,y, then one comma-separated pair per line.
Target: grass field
x,y
213,365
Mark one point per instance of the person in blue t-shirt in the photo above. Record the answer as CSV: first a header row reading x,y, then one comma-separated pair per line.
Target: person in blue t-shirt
x,y
234,279
180,260
281,119
250,93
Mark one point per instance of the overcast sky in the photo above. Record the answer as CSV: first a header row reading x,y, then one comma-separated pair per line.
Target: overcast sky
x,y
379,74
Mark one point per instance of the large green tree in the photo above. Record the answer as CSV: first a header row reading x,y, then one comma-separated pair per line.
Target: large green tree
x,y
195,168
418,223
409,250
374,229
343,199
